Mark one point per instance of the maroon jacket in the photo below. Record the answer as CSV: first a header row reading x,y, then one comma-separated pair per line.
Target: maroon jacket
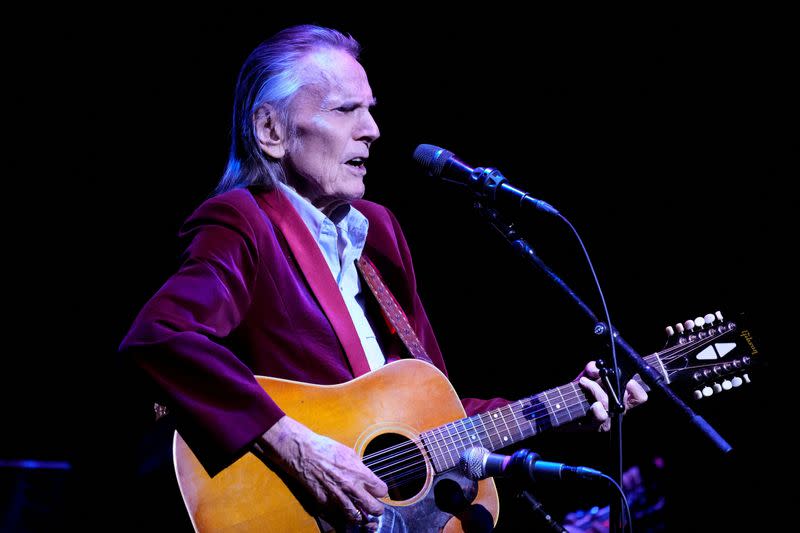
x,y
255,296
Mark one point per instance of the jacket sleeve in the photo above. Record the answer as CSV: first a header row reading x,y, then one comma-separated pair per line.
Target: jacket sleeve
x,y
218,405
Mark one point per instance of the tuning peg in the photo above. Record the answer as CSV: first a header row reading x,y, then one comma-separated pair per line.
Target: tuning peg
x,y
670,331
718,315
689,325
709,319
699,322
727,385
746,378
717,387
707,391
679,328
697,394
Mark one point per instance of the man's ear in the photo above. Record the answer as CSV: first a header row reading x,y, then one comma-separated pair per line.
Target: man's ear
x,y
270,132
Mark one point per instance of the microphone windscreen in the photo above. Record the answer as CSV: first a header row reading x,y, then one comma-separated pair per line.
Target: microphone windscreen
x,y
473,463
432,158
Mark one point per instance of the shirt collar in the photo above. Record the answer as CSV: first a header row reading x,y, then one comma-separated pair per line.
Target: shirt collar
x,y
354,224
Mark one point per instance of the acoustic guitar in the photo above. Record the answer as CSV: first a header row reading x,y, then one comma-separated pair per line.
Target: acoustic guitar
x,y
407,424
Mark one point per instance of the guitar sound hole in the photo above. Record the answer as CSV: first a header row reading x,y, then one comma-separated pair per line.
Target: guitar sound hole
x,y
398,462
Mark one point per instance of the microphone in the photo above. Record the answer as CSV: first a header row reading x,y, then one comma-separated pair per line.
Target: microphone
x,y
487,182
478,463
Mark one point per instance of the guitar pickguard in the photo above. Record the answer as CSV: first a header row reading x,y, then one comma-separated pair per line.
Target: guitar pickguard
x,y
451,494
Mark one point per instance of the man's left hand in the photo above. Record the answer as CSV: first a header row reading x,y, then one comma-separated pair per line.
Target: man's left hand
x,y
590,381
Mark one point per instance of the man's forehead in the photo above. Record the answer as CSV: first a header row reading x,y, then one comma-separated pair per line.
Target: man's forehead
x,y
335,75
327,58
328,65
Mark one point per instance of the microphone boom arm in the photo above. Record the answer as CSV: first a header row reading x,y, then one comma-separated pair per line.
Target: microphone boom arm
x,y
655,380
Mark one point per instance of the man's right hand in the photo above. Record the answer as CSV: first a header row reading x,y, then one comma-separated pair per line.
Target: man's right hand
x,y
330,471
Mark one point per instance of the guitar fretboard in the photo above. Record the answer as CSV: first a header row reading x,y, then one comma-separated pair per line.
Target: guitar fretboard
x,y
506,425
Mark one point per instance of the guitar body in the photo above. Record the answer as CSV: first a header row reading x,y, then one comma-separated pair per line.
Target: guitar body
x,y
384,408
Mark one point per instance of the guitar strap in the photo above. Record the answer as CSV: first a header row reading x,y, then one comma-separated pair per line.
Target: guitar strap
x,y
391,310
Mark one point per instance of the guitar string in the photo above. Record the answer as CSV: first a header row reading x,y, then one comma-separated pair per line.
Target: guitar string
x,y
510,413
411,446
460,432
483,431
400,476
682,349
705,365
403,474
407,477
418,469
665,356
436,455
575,392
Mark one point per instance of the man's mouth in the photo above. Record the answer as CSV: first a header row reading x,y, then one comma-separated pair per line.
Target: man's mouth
x,y
357,162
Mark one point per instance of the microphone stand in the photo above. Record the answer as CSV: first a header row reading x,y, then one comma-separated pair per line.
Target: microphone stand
x,y
518,465
538,510
611,376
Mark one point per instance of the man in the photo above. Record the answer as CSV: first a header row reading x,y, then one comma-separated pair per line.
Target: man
x,y
269,283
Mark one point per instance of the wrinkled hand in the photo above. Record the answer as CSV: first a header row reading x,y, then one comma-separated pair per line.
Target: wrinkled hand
x,y
590,381
331,472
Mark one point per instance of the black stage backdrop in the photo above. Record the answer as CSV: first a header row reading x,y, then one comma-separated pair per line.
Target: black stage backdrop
x,y
658,134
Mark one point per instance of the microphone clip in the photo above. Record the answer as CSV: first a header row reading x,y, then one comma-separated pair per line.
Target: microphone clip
x,y
606,375
486,182
519,462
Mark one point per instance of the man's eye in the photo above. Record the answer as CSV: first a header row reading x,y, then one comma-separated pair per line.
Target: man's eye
x,y
346,108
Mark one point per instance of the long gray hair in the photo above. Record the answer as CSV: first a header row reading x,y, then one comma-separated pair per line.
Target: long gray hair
x,y
269,76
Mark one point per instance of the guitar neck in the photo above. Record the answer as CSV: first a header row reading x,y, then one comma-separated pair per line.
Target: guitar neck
x,y
509,424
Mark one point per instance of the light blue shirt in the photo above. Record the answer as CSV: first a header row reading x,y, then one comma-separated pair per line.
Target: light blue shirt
x,y
341,245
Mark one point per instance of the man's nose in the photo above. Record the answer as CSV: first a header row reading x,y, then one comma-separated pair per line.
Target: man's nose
x,y
367,128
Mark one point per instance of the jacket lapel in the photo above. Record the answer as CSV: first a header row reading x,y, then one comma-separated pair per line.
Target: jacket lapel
x,y
317,273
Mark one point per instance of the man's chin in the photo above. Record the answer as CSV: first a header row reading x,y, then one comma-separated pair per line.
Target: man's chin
x,y
329,204
355,193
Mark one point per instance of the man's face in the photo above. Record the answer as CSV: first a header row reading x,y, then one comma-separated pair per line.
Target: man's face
x,y
331,129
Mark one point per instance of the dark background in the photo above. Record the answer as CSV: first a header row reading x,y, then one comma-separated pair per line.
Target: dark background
x,y
660,135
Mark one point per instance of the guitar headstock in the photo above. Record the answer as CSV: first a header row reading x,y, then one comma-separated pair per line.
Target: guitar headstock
x,y
707,355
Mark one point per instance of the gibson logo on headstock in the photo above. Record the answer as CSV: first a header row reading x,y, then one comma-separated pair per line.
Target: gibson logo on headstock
x,y
748,338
